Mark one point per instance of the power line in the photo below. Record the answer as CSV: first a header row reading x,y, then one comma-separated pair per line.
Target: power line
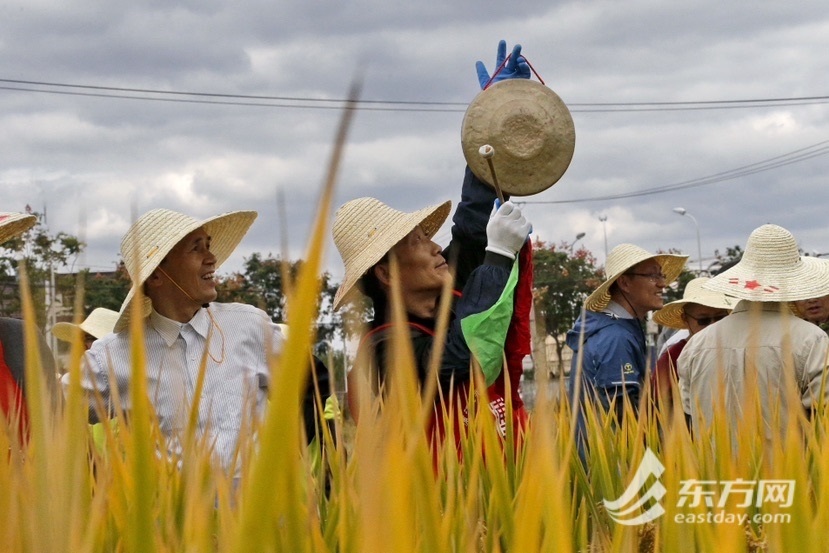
x,y
224,103
306,102
795,156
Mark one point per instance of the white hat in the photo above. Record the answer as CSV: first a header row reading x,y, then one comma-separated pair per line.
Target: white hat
x,y
99,323
671,314
366,229
623,257
772,270
13,225
154,234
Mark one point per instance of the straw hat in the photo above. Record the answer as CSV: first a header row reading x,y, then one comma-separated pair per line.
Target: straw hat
x,y
530,129
623,257
365,230
671,314
99,323
13,225
771,270
154,234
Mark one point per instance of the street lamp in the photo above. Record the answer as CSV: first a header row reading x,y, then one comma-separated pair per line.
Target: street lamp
x,y
682,211
579,236
603,219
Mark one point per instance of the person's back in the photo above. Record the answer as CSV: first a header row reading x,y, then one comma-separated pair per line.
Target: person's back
x,y
761,358
753,355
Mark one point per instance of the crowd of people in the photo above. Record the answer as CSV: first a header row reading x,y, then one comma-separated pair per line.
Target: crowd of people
x,y
754,325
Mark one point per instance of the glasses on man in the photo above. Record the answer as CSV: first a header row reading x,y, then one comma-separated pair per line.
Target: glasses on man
x,y
653,277
705,321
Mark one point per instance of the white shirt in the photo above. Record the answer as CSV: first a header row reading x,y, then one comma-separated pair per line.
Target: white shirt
x,y
236,380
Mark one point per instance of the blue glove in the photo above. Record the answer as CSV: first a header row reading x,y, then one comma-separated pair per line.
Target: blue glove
x,y
516,68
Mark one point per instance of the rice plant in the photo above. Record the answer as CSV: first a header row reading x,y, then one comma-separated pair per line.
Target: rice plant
x,y
384,485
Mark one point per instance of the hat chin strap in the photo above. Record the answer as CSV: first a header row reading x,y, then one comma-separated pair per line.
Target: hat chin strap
x,y
183,291
209,314
635,312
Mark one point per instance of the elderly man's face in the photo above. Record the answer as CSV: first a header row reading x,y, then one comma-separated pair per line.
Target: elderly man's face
x,y
815,310
422,267
190,267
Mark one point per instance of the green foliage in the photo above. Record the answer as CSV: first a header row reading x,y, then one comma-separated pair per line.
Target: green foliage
x,y
105,289
562,280
723,262
266,282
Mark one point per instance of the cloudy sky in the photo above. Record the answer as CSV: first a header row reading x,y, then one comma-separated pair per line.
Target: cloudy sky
x,y
727,101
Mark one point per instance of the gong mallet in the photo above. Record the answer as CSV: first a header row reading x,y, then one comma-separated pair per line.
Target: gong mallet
x,y
487,152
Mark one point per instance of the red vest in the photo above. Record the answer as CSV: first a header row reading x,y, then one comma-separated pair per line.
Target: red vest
x,y
12,402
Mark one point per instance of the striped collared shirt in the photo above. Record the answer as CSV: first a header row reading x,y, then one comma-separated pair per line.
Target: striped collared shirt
x,y
237,338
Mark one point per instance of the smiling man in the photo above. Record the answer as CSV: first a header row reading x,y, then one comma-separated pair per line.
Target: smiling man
x,y
173,258
609,359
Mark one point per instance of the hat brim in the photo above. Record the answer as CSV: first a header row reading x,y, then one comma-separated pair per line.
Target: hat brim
x,y
671,314
671,265
530,129
226,232
65,331
430,219
13,225
806,280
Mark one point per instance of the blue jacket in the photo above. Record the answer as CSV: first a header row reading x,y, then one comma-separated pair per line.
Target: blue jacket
x,y
613,358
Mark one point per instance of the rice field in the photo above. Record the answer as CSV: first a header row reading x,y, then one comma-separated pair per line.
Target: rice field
x,y
382,486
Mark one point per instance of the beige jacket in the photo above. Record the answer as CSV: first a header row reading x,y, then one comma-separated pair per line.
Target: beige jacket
x,y
762,347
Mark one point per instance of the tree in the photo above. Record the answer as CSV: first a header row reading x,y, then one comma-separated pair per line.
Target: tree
x,y
724,262
105,289
262,283
43,253
563,279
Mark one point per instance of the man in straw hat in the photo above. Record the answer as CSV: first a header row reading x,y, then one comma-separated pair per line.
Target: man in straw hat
x,y
172,259
697,309
486,240
762,350
99,323
12,344
608,341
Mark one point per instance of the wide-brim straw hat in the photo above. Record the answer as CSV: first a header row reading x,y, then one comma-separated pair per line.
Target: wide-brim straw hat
x,y
366,229
530,129
154,234
623,257
99,323
772,270
671,314
13,225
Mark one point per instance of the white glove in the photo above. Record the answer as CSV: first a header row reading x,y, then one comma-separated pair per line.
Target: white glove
x,y
507,230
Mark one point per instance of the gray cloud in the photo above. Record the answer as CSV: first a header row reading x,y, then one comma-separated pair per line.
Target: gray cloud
x,y
93,160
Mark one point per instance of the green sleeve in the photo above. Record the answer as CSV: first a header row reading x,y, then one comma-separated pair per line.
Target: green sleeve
x,y
485,332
